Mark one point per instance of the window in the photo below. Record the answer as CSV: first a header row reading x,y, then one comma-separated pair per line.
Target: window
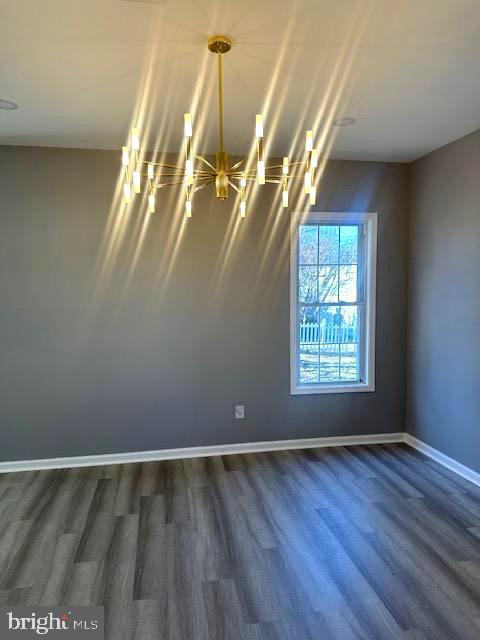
x,y
333,263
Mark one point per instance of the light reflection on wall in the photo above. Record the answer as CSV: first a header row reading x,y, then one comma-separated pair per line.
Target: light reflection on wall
x,y
128,228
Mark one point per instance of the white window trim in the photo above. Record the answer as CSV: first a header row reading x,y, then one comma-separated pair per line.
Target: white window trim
x,y
370,221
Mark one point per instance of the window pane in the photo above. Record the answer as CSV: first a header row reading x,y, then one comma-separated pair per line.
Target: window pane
x,y
348,324
308,345
348,284
329,362
328,244
349,362
348,244
309,365
339,325
308,244
328,284
308,284
329,325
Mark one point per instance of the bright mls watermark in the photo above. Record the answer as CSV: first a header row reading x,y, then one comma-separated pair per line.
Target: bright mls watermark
x,y
59,623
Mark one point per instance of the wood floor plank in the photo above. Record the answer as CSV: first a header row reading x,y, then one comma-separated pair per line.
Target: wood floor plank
x,y
423,479
100,523
147,619
211,550
34,556
119,568
83,493
85,584
49,588
13,536
348,543
374,618
129,490
433,572
223,610
396,596
151,553
460,485
433,602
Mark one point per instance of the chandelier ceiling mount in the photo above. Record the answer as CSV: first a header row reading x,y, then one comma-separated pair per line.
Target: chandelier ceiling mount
x,y
219,44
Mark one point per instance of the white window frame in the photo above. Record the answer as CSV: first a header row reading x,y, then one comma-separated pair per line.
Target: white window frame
x,y
369,220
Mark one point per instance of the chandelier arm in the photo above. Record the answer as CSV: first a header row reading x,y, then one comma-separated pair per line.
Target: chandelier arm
x,y
203,174
280,166
199,157
163,164
252,178
202,178
241,174
205,184
178,167
234,186
272,179
289,177
238,164
252,171
166,175
247,174
297,176
170,184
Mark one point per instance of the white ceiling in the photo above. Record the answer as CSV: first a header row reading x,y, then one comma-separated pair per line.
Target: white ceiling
x,y
82,71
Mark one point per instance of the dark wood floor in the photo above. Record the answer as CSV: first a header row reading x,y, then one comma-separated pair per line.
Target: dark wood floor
x,y
372,542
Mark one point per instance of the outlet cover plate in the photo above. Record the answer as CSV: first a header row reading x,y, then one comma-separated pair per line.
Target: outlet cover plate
x,y
239,411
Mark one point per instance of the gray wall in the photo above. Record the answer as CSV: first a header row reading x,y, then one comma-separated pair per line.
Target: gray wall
x,y
100,353
444,301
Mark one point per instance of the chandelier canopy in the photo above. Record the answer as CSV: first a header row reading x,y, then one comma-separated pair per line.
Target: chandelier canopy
x,y
223,175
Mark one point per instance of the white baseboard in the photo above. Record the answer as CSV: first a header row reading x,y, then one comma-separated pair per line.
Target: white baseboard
x,y
197,452
244,447
444,460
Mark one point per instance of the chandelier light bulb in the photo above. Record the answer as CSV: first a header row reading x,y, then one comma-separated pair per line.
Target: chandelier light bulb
x,y
243,208
125,157
308,181
285,166
285,198
243,182
313,194
136,181
189,171
187,127
261,171
135,139
309,141
127,193
259,126
150,171
314,159
151,203
188,208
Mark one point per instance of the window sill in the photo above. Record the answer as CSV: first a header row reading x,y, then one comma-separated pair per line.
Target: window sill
x,y
356,387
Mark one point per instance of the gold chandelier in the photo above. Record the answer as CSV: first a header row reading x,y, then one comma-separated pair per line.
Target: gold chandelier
x,y
237,176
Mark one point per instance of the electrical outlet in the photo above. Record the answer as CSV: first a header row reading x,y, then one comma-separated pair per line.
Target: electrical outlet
x,y
239,412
